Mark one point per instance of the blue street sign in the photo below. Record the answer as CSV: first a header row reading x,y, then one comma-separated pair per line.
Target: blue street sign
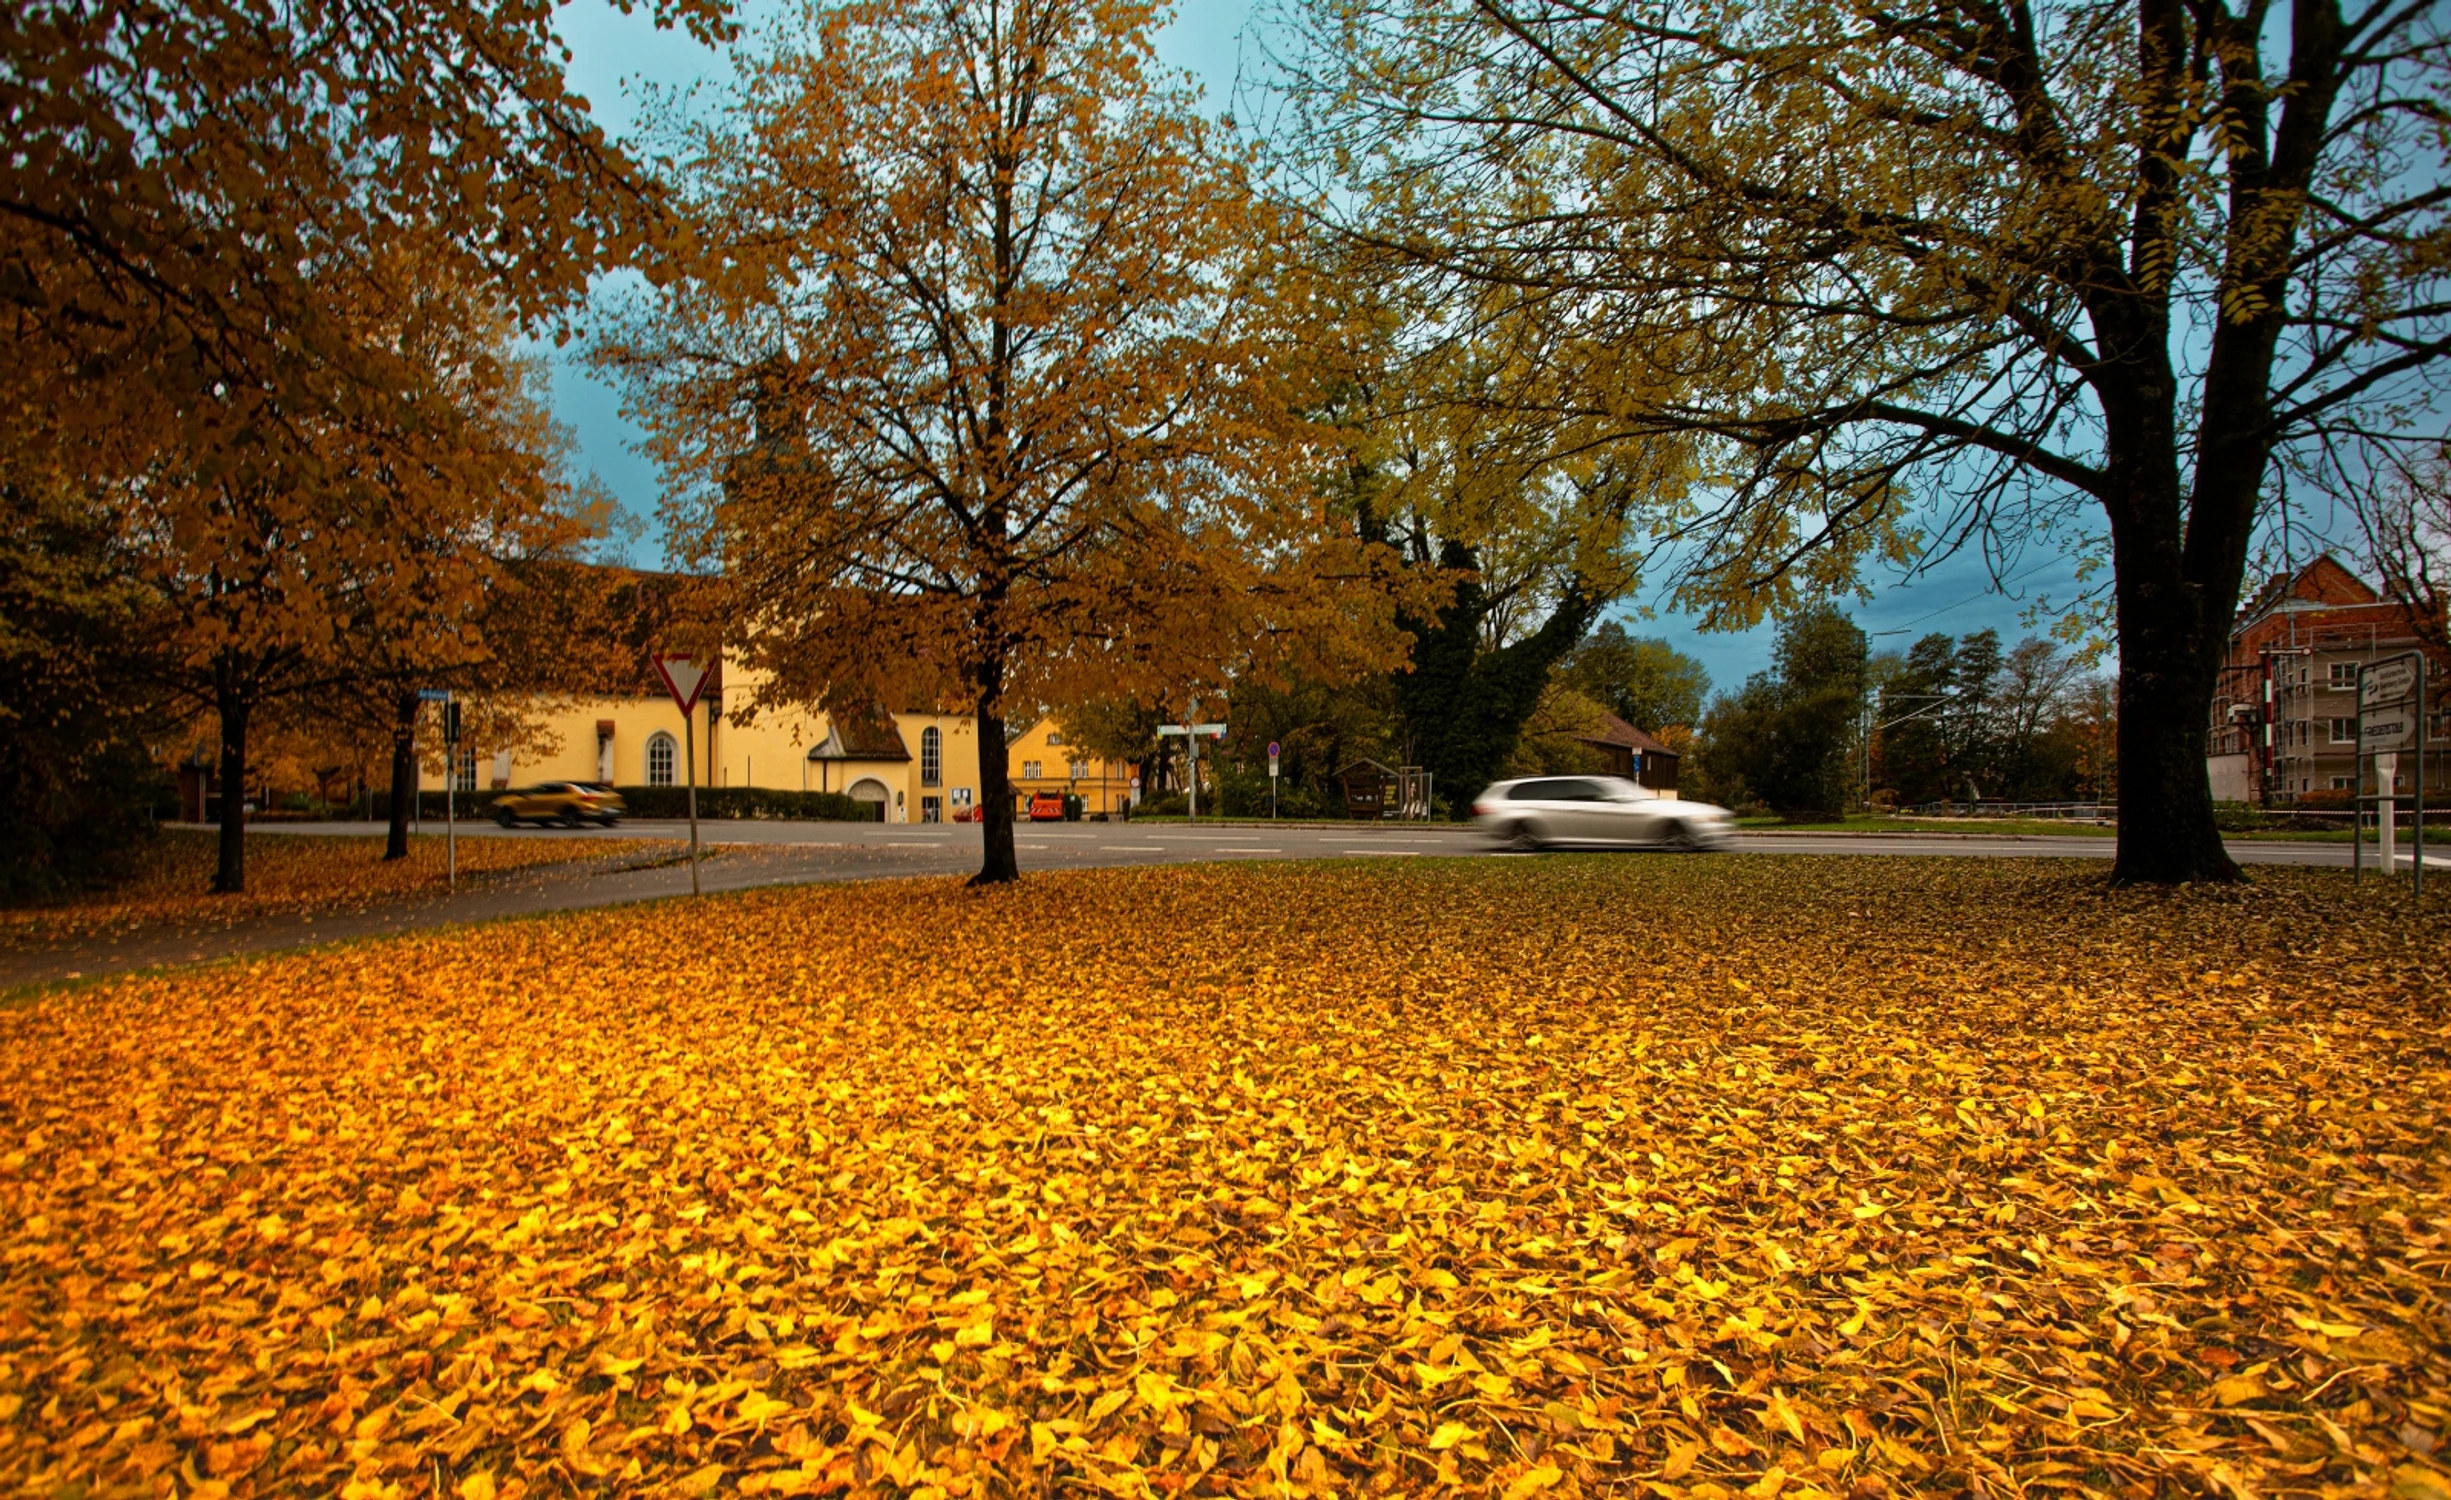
x,y
433,695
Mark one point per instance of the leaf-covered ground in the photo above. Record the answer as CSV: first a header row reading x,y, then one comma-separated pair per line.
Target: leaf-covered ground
x,y
1739,1175
171,883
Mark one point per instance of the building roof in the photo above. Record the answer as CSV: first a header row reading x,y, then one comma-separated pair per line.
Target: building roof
x,y
2324,583
1618,734
871,736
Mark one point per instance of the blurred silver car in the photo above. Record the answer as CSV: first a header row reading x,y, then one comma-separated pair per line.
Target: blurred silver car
x,y
1545,812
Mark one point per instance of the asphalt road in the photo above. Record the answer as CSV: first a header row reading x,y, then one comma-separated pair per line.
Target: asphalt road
x,y
871,849
747,854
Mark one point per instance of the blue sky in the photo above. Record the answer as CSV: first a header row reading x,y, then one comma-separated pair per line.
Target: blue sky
x,y
612,55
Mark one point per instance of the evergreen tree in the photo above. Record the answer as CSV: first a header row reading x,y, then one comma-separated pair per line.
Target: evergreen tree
x,y
1788,736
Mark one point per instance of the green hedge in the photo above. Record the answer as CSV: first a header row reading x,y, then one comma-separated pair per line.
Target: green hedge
x,y
672,802
750,802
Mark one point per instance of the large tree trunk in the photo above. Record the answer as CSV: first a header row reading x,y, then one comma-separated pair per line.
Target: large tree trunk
x,y
998,864
234,705
403,774
2167,832
2171,638
2172,628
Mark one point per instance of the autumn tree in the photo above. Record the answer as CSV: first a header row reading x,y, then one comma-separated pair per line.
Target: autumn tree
x,y
1514,526
972,396
180,176
1641,679
354,546
200,216
76,777
2064,264
2406,519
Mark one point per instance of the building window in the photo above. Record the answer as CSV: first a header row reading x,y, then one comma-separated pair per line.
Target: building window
x,y
2344,730
1029,770
931,809
2343,674
464,774
662,754
1080,770
2344,783
931,758
1055,737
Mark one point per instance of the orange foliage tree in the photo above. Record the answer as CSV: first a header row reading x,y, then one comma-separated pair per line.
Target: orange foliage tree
x,y
982,388
202,213
345,548
181,177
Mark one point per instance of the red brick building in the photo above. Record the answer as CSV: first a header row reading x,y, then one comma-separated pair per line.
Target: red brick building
x,y
2285,711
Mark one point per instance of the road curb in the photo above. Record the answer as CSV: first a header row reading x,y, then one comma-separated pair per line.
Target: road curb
x,y
1900,833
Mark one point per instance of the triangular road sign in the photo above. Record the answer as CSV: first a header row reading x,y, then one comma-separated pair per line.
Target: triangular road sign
x,y
683,679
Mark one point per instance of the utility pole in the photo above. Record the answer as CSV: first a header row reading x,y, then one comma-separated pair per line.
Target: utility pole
x,y
1932,702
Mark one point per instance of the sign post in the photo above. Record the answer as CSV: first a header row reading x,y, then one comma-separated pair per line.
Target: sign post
x,y
1191,735
451,782
2391,704
1272,781
684,680
417,822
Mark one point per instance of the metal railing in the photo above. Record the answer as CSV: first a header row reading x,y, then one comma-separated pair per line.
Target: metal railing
x,y
2074,812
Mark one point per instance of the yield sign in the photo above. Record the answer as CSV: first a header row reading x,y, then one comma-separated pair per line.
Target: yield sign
x,y
683,679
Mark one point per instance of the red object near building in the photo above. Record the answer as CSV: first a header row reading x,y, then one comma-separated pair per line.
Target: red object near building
x,y
2284,723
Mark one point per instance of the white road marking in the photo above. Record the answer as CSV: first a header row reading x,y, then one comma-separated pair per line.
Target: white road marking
x,y
1130,849
1238,849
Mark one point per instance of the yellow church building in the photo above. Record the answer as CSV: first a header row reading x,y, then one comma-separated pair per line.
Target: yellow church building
x,y
915,767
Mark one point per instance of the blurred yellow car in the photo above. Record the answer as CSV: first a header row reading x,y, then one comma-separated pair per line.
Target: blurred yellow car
x,y
566,804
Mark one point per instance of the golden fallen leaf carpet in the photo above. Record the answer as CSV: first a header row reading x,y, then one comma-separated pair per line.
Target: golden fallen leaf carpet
x,y
1759,1176
171,884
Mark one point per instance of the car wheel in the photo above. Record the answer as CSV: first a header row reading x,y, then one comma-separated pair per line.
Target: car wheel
x,y
1682,839
506,820
609,821
567,820
1524,837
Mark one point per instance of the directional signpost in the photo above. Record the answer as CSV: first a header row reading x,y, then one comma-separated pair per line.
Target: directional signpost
x,y
2390,718
685,679
451,782
428,695
1191,735
1272,781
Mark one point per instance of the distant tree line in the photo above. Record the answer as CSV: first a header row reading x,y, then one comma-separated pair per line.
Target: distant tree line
x,y
1833,727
